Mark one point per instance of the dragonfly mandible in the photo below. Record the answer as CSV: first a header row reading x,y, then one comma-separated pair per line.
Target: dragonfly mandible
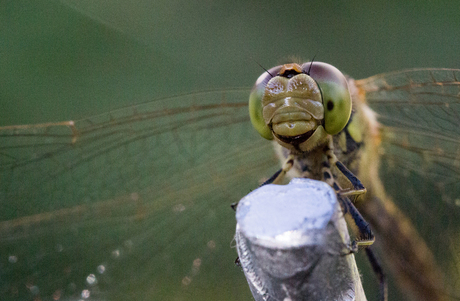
x,y
134,203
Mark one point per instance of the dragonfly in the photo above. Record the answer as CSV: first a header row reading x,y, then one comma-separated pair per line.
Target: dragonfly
x,y
134,203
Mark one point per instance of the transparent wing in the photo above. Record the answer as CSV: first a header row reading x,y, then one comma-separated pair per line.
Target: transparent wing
x,y
130,205
420,113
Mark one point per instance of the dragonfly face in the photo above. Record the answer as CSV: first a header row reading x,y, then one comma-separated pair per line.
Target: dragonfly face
x,y
134,204
300,105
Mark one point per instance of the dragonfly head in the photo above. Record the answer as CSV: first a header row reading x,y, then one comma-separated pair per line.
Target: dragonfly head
x,y
299,105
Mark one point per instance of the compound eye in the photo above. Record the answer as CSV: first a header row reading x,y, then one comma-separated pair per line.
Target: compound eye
x,y
255,103
335,92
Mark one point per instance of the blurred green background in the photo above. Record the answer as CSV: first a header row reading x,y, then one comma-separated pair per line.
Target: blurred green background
x,y
62,60
67,60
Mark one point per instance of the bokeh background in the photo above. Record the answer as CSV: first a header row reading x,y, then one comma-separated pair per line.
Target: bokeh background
x,y
68,60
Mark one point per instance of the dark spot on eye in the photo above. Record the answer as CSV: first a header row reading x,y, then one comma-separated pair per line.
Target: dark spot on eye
x,y
330,105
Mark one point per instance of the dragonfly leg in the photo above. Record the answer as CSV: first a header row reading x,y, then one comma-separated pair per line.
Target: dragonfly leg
x,y
234,205
366,237
279,175
347,250
238,262
377,268
358,187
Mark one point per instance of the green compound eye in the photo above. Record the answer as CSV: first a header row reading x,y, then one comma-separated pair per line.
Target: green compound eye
x,y
255,113
337,107
336,96
255,103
